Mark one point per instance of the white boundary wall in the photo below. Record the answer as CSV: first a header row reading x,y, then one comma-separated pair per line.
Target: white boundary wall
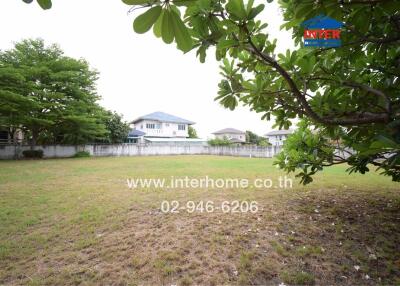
x,y
65,151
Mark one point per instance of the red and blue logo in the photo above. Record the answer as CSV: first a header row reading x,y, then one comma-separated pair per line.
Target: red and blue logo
x,y
322,32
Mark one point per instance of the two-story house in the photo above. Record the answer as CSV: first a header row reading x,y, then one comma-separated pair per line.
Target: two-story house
x,y
232,134
278,137
159,125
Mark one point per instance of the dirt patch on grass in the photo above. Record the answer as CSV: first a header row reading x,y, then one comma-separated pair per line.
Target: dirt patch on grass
x,y
306,238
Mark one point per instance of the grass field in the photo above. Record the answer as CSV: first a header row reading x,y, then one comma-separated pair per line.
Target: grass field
x,y
75,221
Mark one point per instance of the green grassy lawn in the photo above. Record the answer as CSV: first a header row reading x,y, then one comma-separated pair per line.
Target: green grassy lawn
x,y
75,221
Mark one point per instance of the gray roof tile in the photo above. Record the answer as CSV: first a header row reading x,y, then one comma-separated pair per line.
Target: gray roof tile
x,y
163,117
229,130
279,132
136,133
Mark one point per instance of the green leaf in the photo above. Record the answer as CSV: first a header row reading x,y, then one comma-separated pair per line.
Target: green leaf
x,y
167,27
204,4
301,11
248,85
224,44
144,22
384,142
135,2
175,9
236,8
158,24
200,26
201,53
185,3
306,65
255,11
45,4
182,36
249,6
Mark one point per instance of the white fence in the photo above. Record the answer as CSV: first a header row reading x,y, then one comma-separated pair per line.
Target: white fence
x,y
64,151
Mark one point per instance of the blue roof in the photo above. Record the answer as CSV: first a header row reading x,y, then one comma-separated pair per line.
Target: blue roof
x,y
163,117
322,22
135,133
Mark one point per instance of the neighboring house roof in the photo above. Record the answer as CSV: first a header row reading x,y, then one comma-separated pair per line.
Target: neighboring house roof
x,y
163,117
136,133
279,132
229,130
174,139
322,22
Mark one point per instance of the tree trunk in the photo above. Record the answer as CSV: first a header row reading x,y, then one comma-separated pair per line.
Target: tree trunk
x,y
11,133
35,134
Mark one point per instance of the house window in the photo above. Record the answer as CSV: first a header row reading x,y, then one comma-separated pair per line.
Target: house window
x,y
158,125
150,126
181,127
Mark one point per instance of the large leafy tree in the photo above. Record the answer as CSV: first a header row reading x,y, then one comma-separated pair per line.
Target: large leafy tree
x,y
51,97
118,129
347,98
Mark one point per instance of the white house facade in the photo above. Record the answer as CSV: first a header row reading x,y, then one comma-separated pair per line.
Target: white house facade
x,y
234,135
278,137
160,125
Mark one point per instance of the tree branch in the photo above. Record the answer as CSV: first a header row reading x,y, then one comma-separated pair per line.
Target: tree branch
x,y
352,84
358,118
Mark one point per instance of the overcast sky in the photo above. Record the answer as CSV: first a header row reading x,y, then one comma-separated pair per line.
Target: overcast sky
x,y
139,74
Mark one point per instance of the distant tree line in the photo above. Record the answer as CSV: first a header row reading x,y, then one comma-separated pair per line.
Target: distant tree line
x,y
52,98
254,139
220,142
251,139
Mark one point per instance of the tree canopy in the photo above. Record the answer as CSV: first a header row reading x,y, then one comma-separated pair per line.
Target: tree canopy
x,y
348,95
50,96
220,142
253,138
117,128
